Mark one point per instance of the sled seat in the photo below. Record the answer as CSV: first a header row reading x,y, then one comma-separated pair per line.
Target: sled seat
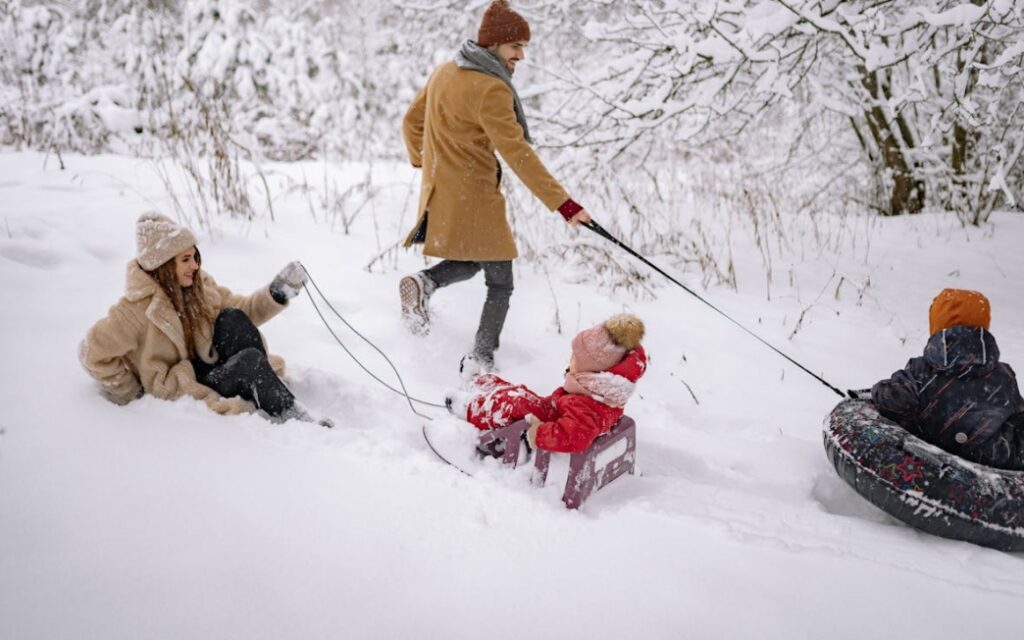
x,y
589,470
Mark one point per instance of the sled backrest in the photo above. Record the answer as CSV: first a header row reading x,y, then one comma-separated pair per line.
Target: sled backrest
x,y
610,456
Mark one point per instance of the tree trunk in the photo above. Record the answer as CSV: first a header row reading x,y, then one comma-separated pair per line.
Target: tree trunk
x,y
907,195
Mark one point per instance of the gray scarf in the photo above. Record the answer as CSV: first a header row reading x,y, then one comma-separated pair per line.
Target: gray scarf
x,y
473,56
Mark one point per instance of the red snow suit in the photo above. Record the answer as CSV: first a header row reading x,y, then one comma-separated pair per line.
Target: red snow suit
x,y
570,422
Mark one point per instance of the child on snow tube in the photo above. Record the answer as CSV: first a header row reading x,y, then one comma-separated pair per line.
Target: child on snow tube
x,y
606,362
176,332
958,396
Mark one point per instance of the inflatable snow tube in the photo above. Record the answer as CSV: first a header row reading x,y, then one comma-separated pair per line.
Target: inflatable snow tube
x,y
922,485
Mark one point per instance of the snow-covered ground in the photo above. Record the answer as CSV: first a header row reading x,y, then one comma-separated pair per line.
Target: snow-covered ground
x,y
163,520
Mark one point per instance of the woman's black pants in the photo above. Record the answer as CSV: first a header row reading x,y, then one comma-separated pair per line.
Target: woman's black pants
x,y
242,368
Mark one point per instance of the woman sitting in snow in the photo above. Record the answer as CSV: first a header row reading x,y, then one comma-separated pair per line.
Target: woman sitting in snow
x,y
177,333
606,362
958,395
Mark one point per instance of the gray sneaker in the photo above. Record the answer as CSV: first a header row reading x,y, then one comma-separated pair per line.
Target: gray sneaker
x,y
415,291
457,402
474,365
298,412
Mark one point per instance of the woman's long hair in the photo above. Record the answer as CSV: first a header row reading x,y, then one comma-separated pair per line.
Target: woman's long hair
x,y
189,302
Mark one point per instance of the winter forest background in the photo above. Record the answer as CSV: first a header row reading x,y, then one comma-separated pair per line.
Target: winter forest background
x,y
817,169
815,110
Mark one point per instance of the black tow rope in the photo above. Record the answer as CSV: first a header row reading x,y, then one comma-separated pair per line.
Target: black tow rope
x,y
599,230
403,391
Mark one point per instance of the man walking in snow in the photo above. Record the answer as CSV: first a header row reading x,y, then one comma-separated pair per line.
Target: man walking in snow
x,y
469,109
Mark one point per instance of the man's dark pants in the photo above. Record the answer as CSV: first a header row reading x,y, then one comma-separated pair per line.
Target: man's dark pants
x,y
498,277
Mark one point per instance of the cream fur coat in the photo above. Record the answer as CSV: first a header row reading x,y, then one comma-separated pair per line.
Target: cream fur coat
x,y
140,345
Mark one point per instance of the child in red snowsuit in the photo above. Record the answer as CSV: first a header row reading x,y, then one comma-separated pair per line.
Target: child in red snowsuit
x,y
606,362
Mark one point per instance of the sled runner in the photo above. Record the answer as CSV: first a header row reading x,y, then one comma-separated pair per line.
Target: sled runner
x,y
922,485
453,443
611,456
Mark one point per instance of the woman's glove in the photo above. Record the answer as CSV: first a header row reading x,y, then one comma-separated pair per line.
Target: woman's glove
x,y
288,283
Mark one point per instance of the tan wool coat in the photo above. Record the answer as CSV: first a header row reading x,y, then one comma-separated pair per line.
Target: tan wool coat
x,y
452,130
140,345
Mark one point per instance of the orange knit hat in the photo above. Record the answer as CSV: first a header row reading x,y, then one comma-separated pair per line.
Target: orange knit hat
x,y
501,25
954,307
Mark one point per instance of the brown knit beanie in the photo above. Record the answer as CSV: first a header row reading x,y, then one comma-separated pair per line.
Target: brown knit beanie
x,y
158,239
954,307
502,25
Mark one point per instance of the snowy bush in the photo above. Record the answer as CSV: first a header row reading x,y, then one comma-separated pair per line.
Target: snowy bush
x,y
929,93
645,110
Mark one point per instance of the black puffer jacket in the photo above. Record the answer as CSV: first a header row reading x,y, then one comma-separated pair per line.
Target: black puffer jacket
x,y
958,396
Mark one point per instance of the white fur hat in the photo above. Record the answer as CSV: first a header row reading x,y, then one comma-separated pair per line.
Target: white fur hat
x,y
159,239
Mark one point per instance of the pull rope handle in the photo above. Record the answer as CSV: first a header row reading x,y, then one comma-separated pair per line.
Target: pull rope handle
x,y
599,230
403,391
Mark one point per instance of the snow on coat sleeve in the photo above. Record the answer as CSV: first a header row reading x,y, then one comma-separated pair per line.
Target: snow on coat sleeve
x,y
898,398
104,355
1005,449
260,306
498,119
580,420
412,128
